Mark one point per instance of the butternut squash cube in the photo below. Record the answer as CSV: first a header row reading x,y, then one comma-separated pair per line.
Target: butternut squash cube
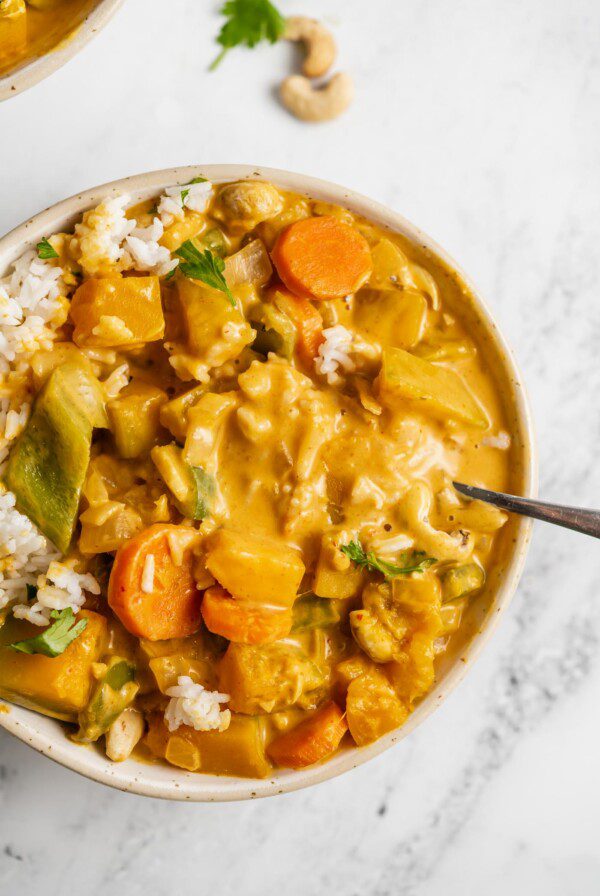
x,y
215,331
372,708
255,568
239,750
135,418
267,678
437,389
395,317
117,312
55,686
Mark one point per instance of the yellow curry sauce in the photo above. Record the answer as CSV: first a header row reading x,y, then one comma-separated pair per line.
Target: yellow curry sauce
x,y
32,28
286,463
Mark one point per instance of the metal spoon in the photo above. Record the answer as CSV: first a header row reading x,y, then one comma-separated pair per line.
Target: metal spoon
x,y
577,518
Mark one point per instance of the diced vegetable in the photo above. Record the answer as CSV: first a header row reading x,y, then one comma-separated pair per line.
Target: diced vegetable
x,y
56,686
180,231
242,621
307,321
117,311
372,708
171,607
312,740
322,258
239,750
206,419
462,580
167,669
44,361
314,612
81,389
173,414
331,581
391,267
395,318
216,241
275,332
205,313
48,464
135,417
439,389
192,488
112,694
255,568
249,265
267,678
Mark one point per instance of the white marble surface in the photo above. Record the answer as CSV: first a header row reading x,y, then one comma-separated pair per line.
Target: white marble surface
x,y
480,121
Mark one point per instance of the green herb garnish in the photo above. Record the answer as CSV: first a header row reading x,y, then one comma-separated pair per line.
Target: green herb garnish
x,y
249,22
55,639
204,266
171,274
196,180
412,561
45,250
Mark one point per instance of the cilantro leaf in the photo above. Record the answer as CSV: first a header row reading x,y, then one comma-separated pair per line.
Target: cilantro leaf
x,y
413,561
204,266
55,639
45,250
249,22
196,180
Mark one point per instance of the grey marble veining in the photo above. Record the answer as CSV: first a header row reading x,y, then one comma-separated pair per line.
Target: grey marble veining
x,y
480,122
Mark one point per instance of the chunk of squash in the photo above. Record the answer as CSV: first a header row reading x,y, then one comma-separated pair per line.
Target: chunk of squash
x,y
135,417
55,686
174,414
372,708
239,750
395,318
215,330
254,567
267,678
437,389
117,312
192,225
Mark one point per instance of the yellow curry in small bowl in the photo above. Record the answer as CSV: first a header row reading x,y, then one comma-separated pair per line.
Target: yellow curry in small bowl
x,y
32,28
233,416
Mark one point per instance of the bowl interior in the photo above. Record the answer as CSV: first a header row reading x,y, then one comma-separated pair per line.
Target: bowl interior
x,y
30,71
48,736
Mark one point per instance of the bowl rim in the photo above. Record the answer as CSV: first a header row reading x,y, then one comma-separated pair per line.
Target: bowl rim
x,y
134,776
36,69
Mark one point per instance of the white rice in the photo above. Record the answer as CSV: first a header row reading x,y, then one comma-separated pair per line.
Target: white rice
x,y
191,704
334,354
61,587
148,574
172,204
501,441
99,241
24,552
116,381
147,253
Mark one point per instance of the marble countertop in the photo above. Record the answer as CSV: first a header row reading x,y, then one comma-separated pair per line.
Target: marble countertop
x,y
481,123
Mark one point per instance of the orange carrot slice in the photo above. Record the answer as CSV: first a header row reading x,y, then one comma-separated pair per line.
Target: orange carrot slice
x,y
244,621
322,258
159,606
308,321
311,740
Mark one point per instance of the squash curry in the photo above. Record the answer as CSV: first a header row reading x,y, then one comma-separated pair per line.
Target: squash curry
x,y
241,445
31,28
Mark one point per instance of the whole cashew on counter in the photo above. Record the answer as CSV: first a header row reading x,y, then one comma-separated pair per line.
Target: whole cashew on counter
x,y
298,94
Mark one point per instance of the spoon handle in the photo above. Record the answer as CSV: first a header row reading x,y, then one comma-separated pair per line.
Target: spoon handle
x,y
577,518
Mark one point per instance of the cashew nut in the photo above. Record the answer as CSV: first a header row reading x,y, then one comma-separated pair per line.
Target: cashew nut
x,y
310,103
123,734
319,42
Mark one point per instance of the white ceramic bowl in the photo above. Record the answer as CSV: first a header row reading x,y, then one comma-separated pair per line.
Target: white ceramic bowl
x,y
28,73
48,736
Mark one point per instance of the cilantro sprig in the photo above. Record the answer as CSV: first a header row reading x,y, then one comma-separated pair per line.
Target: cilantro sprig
x,y
412,561
204,266
45,250
248,23
55,639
